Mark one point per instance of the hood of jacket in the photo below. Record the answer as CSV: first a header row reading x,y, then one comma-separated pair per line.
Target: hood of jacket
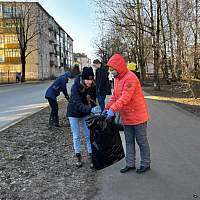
x,y
118,63
67,74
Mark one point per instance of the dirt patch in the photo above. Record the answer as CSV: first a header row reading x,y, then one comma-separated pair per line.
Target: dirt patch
x,y
37,163
178,96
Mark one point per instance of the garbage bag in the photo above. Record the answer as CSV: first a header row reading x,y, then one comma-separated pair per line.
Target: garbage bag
x,y
106,142
118,121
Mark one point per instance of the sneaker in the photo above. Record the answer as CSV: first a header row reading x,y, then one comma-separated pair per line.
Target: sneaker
x,y
126,169
143,169
78,160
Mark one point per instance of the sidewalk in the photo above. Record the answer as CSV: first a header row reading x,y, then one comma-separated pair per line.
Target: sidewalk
x,y
38,163
174,141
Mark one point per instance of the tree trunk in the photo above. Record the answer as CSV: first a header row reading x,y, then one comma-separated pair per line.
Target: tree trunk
x,y
196,62
164,55
155,41
172,66
23,61
141,42
179,40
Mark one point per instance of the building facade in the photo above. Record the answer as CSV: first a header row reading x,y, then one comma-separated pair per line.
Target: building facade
x,y
82,60
51,49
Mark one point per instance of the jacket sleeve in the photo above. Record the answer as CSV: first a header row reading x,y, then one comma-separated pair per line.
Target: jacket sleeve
x,y
110,102
64,86
127,93
104,76
76,99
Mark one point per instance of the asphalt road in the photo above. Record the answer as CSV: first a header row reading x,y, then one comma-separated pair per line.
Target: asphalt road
x,y
20,100
174,137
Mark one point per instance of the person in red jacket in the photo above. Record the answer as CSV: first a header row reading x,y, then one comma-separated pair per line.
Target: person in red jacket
x,y
128,100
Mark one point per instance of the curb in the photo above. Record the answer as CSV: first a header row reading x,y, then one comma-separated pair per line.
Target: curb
x,y
21,119
24,83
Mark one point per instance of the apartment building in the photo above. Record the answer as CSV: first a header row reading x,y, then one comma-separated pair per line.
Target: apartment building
x,y
51,49
82,60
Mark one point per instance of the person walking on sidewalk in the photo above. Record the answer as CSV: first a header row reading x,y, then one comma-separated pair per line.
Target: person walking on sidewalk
x,y
103,86
128,100
59,85
79,107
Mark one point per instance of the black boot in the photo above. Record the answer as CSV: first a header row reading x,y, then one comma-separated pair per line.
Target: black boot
x,y
78,160
126,169
51,121
91,163
57,121
143,169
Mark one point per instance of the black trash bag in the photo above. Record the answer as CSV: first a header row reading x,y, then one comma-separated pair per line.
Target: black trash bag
x,y
106,142
118,122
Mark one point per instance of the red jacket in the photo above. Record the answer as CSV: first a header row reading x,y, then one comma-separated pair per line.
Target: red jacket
x,y
128,98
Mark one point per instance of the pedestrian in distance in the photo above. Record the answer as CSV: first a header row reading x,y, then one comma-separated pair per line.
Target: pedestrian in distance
x,y
18,77
128,100
103,86
59,85
79,107
134,68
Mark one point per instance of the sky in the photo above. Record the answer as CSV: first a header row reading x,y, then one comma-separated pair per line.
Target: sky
x,y
77,18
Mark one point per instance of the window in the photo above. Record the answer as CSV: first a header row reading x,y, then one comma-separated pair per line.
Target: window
x,y
9,24
1,24
1,11
17,11
11,39
1,39
7,11
12,53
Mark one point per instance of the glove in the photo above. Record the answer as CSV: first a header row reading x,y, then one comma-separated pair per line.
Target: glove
x,y
67,97
110,114
96,110
104,113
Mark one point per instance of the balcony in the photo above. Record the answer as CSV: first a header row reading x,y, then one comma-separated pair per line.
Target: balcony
x,y
52,63
51,27
4,30
52,58
12,60
51,50
11,46
52,38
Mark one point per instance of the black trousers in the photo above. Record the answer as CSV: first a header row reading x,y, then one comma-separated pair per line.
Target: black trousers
x,y
53,119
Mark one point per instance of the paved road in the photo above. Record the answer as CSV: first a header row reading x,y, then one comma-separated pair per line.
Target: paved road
x,y
19,101
174,137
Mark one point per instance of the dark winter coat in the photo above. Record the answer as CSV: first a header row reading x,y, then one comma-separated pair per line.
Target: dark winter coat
x,y
103,86
78,105
59,85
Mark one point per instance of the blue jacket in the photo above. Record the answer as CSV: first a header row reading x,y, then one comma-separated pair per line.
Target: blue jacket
x,y
59,85
78,105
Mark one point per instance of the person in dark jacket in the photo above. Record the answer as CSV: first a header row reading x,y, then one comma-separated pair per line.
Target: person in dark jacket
x,y
79,107
59,85
103,86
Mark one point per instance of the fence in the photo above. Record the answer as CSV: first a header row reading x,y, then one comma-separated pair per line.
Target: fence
x,y
7,77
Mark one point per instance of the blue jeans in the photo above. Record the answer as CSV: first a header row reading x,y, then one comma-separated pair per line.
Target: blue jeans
x,y
75,128
138,133
101,100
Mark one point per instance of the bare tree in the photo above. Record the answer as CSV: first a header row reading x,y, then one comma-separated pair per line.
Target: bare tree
x,y
196,53
162,32
26,20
